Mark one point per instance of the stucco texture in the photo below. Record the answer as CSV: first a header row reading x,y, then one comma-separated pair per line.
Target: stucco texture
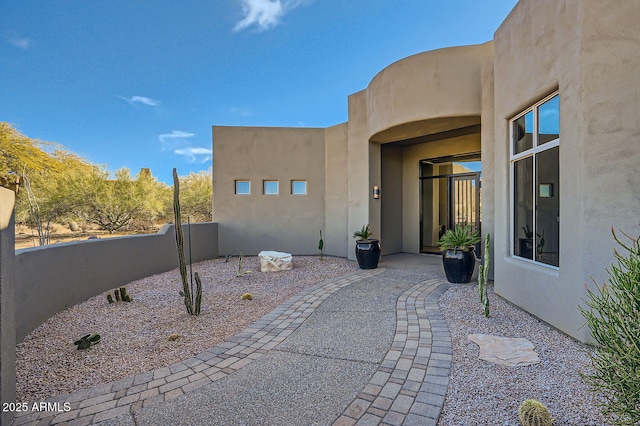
x,y
588,51
256,222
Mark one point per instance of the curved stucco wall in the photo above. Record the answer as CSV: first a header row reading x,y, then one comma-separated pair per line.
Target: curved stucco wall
x,y
56,277
429,87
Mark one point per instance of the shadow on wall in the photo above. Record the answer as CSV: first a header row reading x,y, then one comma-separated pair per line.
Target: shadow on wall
x,y
54,278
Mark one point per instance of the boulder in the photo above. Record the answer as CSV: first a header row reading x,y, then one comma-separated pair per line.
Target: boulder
x,y
273,261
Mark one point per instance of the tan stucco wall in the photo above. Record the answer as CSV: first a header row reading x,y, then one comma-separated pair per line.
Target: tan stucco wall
x,y
589,50
487,206
256,222
359,161
391,198
611,127
427,89
336,232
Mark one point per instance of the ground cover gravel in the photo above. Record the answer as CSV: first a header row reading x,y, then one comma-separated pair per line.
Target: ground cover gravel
x,y
483,393
154,330
141,336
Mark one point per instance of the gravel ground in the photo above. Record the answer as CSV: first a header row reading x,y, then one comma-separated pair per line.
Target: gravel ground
x,y
483,393
135,338
136,335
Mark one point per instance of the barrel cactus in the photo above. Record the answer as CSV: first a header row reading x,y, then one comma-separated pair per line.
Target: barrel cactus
x,y
534,413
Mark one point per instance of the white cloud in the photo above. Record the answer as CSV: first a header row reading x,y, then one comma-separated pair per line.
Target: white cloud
x,y
14,39
194,154
22,43
141,100
265,14
243,112
175,139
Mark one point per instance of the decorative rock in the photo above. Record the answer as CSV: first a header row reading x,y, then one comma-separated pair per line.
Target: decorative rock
x,y
273,261
511,352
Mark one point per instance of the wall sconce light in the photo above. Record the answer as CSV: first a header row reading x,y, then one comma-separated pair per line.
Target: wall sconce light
x,y
376,192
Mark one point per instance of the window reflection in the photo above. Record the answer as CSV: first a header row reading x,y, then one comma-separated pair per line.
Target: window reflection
x,y
523,133
549,120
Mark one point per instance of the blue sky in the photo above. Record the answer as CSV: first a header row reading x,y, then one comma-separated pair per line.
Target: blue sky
x,y
139,83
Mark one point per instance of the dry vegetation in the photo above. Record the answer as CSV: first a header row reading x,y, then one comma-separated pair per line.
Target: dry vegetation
x,y
28,237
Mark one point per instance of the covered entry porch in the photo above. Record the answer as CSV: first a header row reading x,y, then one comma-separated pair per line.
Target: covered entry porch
x,y
430,182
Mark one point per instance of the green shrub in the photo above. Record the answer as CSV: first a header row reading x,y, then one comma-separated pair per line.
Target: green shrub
x,y
459,238
613,317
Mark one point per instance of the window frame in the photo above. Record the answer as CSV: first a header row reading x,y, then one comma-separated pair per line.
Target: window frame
x,y
264,187
533,153
237,181
293,182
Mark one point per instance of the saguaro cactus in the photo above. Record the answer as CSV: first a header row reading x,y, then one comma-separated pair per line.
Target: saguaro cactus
x,y
192,304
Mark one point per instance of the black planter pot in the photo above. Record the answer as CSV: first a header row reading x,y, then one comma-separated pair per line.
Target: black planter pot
x,y
368,253
459,265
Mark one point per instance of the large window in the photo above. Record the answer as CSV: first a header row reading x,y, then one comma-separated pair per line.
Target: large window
x,y
535,182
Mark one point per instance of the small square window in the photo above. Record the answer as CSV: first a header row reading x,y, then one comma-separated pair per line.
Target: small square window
x,y
271,187
243,187
299,187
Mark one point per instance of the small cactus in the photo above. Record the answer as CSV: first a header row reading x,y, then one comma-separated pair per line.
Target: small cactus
x,y
85,342
121,296
534,413
247,296
483,276
124,296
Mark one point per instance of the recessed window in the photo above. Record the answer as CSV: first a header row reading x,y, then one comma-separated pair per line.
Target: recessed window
x,y
271,187
243,187
299,187
535,182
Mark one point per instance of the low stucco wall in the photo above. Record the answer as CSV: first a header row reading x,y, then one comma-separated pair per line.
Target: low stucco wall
x,y
7,292
54,278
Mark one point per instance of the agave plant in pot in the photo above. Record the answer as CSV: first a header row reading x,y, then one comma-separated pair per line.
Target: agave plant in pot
x,y
367,249
458,253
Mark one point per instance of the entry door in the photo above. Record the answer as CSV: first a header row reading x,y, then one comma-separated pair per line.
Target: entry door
x,y
464,202
447,201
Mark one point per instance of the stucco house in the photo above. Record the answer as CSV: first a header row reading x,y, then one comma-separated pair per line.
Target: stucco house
x,y
550,108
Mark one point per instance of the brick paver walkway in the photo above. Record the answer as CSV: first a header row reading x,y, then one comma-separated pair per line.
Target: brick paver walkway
x,y
408,387
410,384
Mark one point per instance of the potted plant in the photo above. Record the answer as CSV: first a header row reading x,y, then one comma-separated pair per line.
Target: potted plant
x,y
526,243
458,253
367,249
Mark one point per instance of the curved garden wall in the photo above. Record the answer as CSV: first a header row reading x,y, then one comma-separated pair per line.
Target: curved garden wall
x,y
50,279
